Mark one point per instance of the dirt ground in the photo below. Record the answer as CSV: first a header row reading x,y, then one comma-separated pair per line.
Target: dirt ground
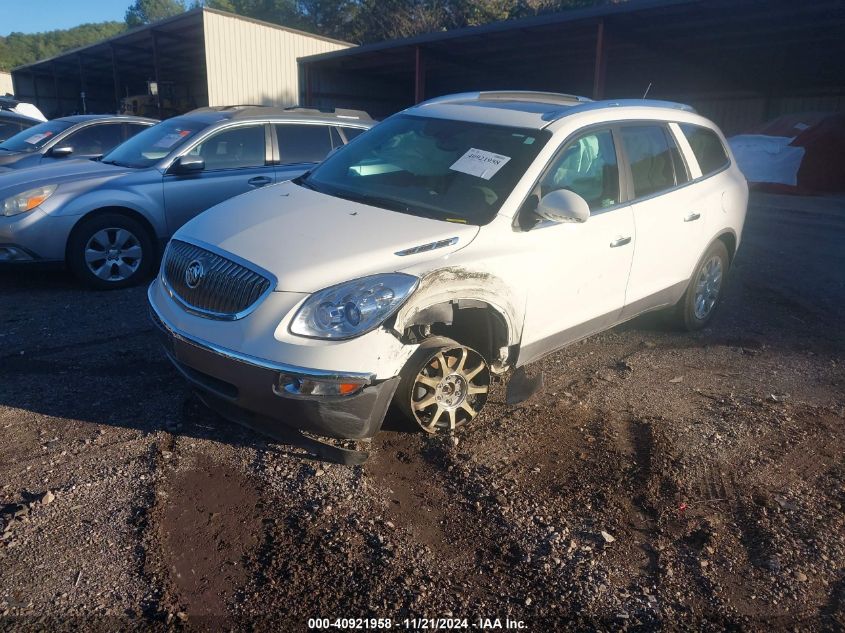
x,y
659,481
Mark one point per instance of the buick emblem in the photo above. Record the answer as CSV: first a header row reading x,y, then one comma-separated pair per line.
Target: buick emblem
x,y
194,273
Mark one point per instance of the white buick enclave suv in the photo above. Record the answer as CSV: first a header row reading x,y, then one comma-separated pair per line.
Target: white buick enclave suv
x,y
460,238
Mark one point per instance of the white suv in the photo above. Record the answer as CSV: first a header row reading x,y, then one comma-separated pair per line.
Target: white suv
x,y
460,238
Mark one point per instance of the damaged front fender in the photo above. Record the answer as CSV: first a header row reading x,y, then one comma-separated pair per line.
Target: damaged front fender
x,y
458,284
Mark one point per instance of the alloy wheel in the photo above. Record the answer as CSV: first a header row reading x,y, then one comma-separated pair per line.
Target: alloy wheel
x,y
450,389
113,254
707,288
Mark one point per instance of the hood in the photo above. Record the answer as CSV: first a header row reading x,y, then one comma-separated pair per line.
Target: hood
x,y
13,181
311,240
9,157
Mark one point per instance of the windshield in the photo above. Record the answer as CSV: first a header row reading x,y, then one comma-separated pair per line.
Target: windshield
x,y
35,137
440,168
154,143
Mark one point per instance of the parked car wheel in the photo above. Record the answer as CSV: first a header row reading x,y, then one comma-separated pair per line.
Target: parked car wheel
x,y
110,251
444,385
697,306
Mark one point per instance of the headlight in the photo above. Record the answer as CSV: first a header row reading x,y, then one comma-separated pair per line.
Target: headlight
x,y
352,308
27,200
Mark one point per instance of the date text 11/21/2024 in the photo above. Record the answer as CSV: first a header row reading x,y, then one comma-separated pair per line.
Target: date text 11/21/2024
x,y
416,624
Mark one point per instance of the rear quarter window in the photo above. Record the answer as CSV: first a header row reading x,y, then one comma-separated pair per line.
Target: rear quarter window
x,y
707,148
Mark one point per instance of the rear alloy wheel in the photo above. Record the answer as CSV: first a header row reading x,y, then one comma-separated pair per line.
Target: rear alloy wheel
x,y
696,307
110,251
444,386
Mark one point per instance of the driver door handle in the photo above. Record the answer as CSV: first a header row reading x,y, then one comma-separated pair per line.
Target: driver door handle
x,y
259,181
620,241
692,217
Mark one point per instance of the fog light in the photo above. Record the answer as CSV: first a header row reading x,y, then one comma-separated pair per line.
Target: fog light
x,y
292,385
14,254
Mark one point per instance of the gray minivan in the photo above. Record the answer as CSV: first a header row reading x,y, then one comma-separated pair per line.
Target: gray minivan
x,y
107,219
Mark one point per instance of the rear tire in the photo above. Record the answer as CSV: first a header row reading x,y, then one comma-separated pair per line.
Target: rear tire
x,y
443,386
701,299
110,251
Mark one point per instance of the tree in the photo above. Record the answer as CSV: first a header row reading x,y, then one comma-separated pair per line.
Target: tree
x,y
18,49
146,11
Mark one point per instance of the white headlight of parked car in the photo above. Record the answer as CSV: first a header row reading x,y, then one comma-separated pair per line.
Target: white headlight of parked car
x,y
27,200
352,308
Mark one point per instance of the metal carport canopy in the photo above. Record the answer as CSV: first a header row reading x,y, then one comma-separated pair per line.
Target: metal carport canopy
x,y
168,50
680,47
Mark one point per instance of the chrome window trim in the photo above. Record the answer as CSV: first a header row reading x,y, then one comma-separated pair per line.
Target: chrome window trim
x,y
217,126
77,127
366,378
665,123
622,159
208,314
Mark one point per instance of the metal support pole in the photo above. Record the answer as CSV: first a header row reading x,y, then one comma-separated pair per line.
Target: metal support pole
x,y
155,72
115,79
601,62
82,85
419,75
309,88
58,110
35,89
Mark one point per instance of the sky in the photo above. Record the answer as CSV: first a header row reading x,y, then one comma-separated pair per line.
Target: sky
x,y
33,16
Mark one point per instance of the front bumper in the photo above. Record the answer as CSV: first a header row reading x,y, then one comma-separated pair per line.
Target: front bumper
x,y
243,389
34,238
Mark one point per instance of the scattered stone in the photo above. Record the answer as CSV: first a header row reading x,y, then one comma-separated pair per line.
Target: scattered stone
x,y
48,498
800,576
607,537
785,504
182,616
677,379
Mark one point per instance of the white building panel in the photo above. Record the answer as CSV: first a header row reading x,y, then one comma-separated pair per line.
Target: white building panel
x,y
251,62
6,84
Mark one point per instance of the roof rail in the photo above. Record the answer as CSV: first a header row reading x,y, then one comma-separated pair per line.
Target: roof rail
x,y
247,110
510,95
530,95
344,113
618,103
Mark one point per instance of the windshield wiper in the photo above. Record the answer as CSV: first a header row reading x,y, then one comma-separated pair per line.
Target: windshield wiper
x,y
385,203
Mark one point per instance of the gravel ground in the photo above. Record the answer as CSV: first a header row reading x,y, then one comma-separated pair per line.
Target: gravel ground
x,y
658,481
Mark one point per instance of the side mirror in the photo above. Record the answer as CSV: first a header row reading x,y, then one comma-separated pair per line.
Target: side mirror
x,y
187,165
61,152
563,205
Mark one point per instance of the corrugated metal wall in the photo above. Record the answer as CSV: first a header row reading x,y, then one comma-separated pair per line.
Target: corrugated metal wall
x,y
6,84
252,63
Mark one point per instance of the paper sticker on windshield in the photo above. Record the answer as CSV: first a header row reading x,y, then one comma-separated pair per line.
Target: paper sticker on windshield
x,y
477,162
32,140
169,140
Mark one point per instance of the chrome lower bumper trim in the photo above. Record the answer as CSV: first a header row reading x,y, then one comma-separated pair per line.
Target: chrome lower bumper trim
x,y
319,374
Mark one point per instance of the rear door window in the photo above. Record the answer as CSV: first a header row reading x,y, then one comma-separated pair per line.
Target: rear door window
x,y
649,150
707,148
302,143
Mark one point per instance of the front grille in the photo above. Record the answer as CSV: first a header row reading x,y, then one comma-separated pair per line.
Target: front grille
x,y
221,289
